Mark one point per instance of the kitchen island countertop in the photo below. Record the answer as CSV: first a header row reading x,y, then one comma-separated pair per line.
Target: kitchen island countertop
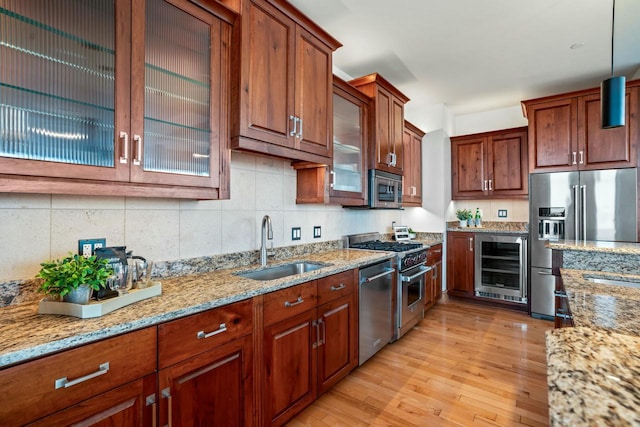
x,y
25,334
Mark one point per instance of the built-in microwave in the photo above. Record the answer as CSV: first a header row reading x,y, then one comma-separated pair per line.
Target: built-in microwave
x,y
385,189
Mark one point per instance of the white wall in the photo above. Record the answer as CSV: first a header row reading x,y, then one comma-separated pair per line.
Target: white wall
x,y
35,228
503,118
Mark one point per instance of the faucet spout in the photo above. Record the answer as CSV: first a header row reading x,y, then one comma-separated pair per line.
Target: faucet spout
x,y
267,233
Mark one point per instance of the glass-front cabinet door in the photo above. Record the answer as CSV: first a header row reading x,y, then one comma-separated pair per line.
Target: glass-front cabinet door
x,y
114,90
348,174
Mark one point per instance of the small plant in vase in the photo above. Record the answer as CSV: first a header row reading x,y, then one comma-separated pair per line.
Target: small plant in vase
x,y
463,216
73,278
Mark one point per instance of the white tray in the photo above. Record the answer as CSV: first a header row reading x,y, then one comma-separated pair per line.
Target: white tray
x,y
99,308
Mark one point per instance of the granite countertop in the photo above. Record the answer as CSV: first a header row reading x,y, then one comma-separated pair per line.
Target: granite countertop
x,y
25,334
520,228
593,369
596,246
593,377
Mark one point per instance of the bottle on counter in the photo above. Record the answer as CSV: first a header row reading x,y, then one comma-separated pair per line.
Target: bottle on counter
x,y
478,218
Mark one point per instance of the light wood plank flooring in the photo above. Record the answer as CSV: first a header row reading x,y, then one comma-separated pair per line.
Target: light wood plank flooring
x,y
465,364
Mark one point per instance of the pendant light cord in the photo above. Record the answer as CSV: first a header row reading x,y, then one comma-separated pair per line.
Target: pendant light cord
x,y
613,21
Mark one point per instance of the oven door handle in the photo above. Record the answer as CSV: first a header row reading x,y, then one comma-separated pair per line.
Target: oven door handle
x,y
377,276
410,278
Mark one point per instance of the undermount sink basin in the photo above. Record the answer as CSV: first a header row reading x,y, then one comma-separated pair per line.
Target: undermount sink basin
x,y
280,271
614,282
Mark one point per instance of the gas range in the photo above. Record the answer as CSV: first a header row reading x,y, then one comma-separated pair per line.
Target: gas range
x,y
408,254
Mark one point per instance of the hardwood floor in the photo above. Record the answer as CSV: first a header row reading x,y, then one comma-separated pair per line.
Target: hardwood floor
x,y
465,364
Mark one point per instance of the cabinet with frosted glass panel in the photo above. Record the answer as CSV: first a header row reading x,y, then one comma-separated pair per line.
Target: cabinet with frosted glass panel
x,y
114,97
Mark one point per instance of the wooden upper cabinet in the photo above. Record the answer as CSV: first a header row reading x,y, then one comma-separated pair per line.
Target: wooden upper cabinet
x,y
133,113
281,100
412,153
385,151
565,133
490,164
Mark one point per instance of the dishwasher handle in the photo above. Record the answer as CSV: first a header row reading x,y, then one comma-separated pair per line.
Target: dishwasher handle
x,y
386,272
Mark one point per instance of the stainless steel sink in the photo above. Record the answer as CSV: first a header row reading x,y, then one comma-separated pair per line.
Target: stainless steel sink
x,y
280,271
614,282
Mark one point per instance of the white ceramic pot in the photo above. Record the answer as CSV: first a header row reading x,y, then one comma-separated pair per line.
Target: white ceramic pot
x,y
80,295
463,223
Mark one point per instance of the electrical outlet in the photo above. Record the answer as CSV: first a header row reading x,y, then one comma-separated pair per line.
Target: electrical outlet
x,y
502,213
296,233
87,247
317,232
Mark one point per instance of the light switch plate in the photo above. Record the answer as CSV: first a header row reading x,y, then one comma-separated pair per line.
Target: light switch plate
x,y
317,232
502,213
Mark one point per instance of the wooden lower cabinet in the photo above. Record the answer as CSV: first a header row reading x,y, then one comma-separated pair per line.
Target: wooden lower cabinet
x,y
307,353
460,267
214,388
434,260
290,363
123,406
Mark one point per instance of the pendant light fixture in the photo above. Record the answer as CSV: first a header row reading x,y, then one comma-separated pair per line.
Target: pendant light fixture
x,y
612,92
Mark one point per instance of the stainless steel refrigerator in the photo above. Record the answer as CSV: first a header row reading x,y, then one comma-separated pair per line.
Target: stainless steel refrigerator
x,y
585,205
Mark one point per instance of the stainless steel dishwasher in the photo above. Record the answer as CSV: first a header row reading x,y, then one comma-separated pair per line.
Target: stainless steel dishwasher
x,y
375,308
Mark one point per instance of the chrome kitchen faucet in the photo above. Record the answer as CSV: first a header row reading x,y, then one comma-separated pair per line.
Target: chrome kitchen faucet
x,y
267,233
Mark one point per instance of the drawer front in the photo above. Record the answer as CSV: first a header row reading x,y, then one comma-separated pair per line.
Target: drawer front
x,y
289,302
184,338
336,286
434,254
38,388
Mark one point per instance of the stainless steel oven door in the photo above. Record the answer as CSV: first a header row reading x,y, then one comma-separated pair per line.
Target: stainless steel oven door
x,y
411,290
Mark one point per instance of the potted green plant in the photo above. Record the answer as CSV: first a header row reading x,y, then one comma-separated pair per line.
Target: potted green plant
x,y
74,277
463,216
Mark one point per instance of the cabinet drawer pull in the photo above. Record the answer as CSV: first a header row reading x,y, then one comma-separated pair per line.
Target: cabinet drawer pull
x,y
166,394
202,334
151,401
296,302
437,251
338,288
124,158
65,383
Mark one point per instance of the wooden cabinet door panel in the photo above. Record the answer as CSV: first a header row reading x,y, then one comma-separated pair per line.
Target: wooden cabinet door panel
x,y
552,135
211,389
467,156
337,353
384,128
313,91
507,163
429,290
290,367
437,277
460,268
604,148
268,95
124,406
397,133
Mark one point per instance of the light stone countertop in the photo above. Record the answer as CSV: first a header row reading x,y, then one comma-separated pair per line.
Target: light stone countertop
x,y
593,377
25,334
596,246
593,369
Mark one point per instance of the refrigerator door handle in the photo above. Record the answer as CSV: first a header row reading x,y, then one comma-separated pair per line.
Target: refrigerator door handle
x,y
584,211
576,212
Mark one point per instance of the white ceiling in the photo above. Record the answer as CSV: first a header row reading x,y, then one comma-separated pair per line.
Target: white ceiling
x,y
481,55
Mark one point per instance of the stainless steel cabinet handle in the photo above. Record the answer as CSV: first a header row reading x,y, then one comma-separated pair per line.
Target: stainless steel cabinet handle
x,y
65,383
564,316
490,185
437,251
151,401
560,294
377,276
392,159
296,302
484,187
299,135
584,211
573,158
338,288
124,157
543,273
332,182
137,159
315,324
166,394
295,126
582,157
470,244
202,334
410,278
576,209
322,340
